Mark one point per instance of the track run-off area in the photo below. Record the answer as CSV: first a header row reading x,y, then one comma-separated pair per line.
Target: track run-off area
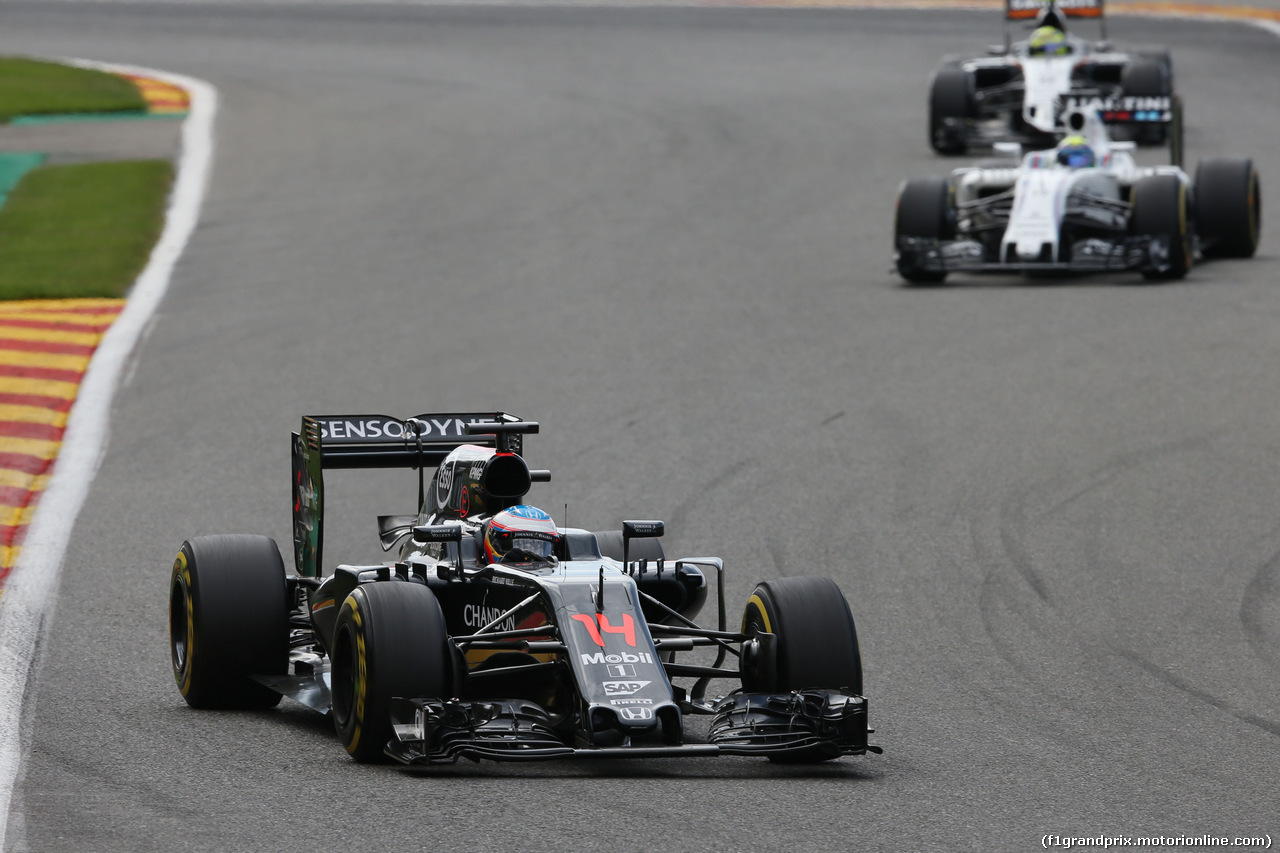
x,y
665,233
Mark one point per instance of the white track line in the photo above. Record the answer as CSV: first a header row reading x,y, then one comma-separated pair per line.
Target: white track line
x,y
29,594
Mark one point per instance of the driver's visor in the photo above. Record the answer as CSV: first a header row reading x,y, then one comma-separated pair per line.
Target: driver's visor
x,y
534,543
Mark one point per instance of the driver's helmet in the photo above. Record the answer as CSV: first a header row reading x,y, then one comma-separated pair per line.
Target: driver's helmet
x,y
1048,41
520,534
1074,153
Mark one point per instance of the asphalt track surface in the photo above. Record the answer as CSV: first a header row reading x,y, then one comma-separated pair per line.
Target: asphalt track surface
x,y
665,234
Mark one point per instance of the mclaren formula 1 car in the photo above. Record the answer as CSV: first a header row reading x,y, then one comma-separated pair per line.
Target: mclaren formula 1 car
x,y
1014,94
496,634
1082,207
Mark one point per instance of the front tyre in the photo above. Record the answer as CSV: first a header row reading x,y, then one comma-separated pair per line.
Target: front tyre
x,y
228,620
1160,210
1228,204
925,210
389,640
816,642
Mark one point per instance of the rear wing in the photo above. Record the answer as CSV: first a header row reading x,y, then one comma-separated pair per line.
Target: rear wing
x,y
380,441
1022,10
1053,13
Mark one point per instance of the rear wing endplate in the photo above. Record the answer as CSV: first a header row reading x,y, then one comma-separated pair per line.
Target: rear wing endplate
x,y
376,441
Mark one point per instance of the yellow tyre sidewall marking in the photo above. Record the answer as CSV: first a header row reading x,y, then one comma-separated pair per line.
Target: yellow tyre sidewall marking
x,y
758,603
182,574
362,676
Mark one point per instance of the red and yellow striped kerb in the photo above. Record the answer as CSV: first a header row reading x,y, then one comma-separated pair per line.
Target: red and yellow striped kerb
x,y
45,347
162,98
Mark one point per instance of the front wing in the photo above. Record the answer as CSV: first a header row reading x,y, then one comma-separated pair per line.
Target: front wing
x,y
920,254
809,724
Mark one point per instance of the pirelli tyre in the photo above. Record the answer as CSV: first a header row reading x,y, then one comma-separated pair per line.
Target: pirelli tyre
x,y
228,620
1228,208
815,640
1148,76
951,107
1160,209
389,640
926,209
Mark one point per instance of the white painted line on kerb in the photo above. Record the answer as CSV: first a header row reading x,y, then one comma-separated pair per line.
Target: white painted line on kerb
x,y
29,593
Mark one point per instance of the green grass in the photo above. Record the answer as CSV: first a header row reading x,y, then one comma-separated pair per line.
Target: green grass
x,y
84,230
31,87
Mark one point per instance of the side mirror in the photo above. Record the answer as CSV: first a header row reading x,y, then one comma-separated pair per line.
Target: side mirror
x,y
427,533
639,530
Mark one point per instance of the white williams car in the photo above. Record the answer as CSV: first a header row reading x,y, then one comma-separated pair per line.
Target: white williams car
x,y
1015,93
1082,207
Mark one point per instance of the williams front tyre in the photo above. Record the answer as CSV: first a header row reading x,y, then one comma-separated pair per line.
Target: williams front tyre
x,y
1160,211
389,641
228,620
925,215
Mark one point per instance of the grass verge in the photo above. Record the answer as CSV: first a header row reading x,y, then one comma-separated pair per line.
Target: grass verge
x,y
84,230
32,87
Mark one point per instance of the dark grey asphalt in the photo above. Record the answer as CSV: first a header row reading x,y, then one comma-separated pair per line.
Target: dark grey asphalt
x,y
665,234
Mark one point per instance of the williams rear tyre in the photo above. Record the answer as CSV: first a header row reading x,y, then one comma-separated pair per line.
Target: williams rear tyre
x,y
1228,208
389,640
1148,77
228,620
926,209
951,108
1160,210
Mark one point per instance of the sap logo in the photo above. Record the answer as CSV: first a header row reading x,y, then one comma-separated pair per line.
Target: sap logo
x,y
623,688
598,623
625,657
634,714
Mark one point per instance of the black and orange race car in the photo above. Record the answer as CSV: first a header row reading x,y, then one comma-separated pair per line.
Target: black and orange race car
x,y
496,634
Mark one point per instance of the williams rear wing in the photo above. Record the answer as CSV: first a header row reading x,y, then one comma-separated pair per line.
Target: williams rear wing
x,y
379,441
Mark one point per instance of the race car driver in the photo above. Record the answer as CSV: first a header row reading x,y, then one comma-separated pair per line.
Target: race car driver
x,y
1048,41
1074,153
521,534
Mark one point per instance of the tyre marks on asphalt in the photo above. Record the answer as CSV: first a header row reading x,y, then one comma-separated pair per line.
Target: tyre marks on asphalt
x,y
45,348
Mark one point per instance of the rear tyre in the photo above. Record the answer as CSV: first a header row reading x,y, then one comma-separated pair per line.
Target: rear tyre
x,y
389,640
925,209
1160,210
1228,206
951,107
1148,77
228,620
